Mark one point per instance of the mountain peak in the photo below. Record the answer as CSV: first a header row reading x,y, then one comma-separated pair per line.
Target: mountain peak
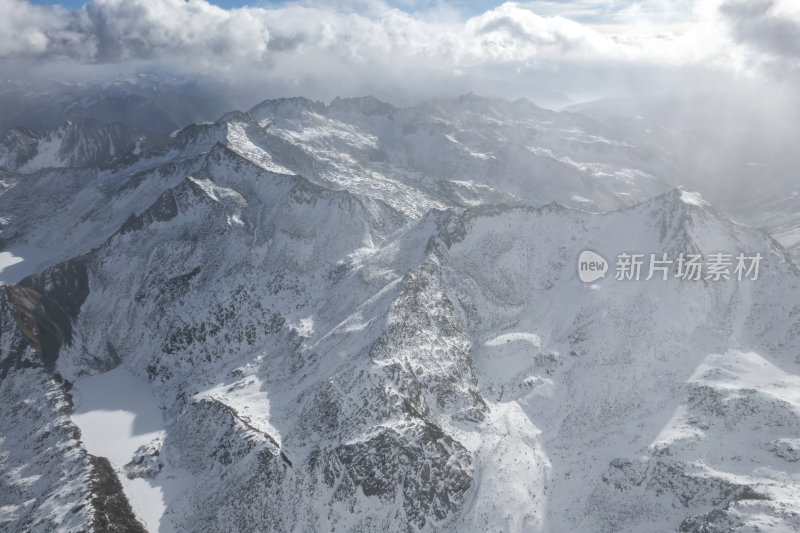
x,y
680,195
235,116
691,197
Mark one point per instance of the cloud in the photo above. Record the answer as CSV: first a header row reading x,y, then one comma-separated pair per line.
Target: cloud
x,y
370,46
511,32
766,25
107,31
29,31
603,12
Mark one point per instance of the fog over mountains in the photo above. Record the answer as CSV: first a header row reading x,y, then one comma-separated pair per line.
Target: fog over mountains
x,y
399,266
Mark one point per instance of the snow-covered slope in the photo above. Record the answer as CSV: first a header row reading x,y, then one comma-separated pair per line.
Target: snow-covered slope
x,y
637,388
471,143
344,333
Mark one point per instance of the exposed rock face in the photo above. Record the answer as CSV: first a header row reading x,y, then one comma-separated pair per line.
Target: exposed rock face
x,y
45,305
146,462
112,512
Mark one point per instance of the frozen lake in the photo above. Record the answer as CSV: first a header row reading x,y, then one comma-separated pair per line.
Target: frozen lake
x,y
117,413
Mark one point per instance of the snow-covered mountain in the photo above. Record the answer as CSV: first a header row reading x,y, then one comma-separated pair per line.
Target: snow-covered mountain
x,y
357,317
439,154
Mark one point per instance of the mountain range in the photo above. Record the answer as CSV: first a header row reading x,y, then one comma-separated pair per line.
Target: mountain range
x,y
360,317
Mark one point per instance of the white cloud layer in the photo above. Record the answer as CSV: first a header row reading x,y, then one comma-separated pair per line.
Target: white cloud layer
x,y
371,47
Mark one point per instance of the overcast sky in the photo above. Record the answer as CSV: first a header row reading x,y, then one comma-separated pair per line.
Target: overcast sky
x,y
408,49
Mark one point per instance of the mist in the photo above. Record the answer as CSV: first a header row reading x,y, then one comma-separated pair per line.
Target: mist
x,y
725,72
